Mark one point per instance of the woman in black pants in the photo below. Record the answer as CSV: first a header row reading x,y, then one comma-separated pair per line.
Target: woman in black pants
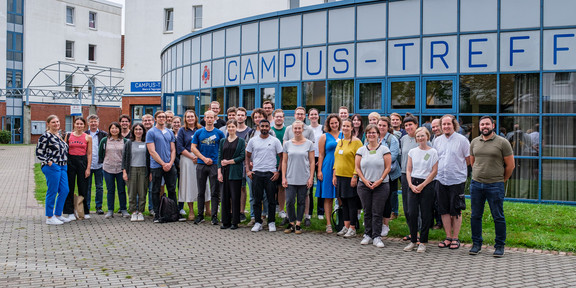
x,y
421,169
79,160
230,167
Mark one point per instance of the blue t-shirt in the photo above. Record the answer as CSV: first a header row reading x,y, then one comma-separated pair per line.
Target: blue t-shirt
x,y
208,143
161,140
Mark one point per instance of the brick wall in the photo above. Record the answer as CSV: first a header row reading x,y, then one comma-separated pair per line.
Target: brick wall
x,y
39,112
128,102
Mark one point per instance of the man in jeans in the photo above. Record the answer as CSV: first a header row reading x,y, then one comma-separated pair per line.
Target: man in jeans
x,y
205,145
95,167
160,142
263,150
492,161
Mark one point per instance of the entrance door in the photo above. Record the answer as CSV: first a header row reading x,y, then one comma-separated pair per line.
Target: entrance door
x,y
14,125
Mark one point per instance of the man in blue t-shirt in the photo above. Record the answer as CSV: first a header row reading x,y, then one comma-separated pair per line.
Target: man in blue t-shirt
x,y
160,143
205,145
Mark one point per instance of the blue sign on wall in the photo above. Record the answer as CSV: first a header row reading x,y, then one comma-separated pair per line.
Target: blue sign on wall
x,y
152,86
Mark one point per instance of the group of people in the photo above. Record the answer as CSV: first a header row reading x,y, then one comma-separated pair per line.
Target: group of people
x,y
213,161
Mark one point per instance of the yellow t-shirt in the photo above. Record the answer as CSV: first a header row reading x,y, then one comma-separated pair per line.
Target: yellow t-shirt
x,y
344,156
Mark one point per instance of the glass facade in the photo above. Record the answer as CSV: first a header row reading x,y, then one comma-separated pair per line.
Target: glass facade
x,y
522,72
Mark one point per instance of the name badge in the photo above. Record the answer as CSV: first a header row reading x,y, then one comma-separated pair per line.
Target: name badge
x,y
373,152
427,157
141,146
340,152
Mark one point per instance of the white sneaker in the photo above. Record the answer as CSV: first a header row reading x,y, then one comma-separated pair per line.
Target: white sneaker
x,y
140,217
63,219
87,216
421,248
53,221
134,217
378,242
366,240
385,230
343,231
320,217
109,214
182,212
71,217
410,247
282,214
351,233
257,227
272,227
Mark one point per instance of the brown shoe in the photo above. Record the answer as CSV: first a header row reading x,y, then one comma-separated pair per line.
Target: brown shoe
x,y
191,217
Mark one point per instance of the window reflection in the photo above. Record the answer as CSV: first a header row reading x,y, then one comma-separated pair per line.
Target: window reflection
x,y
248,98
232,97
370,96
403,95
519,93
341,93
290,98
558,180
439,94
558,137
559,92
478,93
314,94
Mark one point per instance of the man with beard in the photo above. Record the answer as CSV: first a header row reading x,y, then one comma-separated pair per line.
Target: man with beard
x,y
492,161
125,124
262,151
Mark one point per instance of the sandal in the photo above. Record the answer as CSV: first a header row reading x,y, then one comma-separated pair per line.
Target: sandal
x,y
443,244
329,229
456,245
407,238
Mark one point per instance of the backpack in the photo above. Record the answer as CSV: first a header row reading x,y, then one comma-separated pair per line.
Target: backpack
x,y
168,210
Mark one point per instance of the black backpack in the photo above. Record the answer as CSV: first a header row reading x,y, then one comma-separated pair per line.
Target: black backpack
x,y
168,210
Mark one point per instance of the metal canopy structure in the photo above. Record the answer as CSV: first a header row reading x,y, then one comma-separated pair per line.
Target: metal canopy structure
x,y
61,81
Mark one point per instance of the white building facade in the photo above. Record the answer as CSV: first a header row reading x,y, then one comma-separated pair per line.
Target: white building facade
x,y
57,49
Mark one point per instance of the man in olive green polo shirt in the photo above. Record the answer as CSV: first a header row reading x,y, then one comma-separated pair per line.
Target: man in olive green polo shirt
x,y
492,162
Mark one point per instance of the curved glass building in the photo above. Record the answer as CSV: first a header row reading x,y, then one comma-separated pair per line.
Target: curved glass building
x,y
512,59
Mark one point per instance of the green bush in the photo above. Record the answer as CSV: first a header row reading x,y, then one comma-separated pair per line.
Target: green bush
x,y
5,137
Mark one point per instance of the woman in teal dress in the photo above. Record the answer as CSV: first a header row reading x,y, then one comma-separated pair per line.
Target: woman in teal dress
x,y
326,146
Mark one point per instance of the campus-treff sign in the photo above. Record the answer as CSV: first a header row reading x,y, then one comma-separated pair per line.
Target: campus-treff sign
x,y
367,41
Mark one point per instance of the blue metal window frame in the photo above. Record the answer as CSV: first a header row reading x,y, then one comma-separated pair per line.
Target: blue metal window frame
x,y
455,89
384,99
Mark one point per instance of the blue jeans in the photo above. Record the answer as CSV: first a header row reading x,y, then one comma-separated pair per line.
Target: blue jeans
x,y
98,178
112,179
494,194
57,182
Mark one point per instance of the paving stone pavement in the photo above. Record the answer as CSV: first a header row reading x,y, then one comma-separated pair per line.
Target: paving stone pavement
x,y
118,253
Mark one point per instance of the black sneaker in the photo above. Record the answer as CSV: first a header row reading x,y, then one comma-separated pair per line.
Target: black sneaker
x,y
214,220
242,217
225,226
99,211
199,220
234,227
298,229
475,249
285,221
156,220
307,222
499,252
289,229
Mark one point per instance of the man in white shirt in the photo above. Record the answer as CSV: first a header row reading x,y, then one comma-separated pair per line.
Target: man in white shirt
x,y
453,160
263,151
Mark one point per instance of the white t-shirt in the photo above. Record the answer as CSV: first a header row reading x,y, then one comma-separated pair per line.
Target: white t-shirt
x,y
452,153
372,163
264,152
318,131
422,161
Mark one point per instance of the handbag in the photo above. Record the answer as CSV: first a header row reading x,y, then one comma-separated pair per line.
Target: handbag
x,y
79,206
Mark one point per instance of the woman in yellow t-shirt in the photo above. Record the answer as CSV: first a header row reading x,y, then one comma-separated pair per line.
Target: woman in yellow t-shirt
x,y
345,178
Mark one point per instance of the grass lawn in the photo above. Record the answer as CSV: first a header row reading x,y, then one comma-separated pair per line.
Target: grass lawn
x,y
535,226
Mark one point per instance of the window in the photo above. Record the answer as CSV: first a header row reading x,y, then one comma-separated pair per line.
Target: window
x,y
69,49
91,52
341,93
370,96
294,4
15,12
92,20
519,93
168,19
403,94
69,15
197,17
478,93
314,94
14,46
69,82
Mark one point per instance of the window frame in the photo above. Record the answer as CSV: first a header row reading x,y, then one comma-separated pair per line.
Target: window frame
x,y
93,23
195,19
168,20
72,16
71,50
382,95
93,53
